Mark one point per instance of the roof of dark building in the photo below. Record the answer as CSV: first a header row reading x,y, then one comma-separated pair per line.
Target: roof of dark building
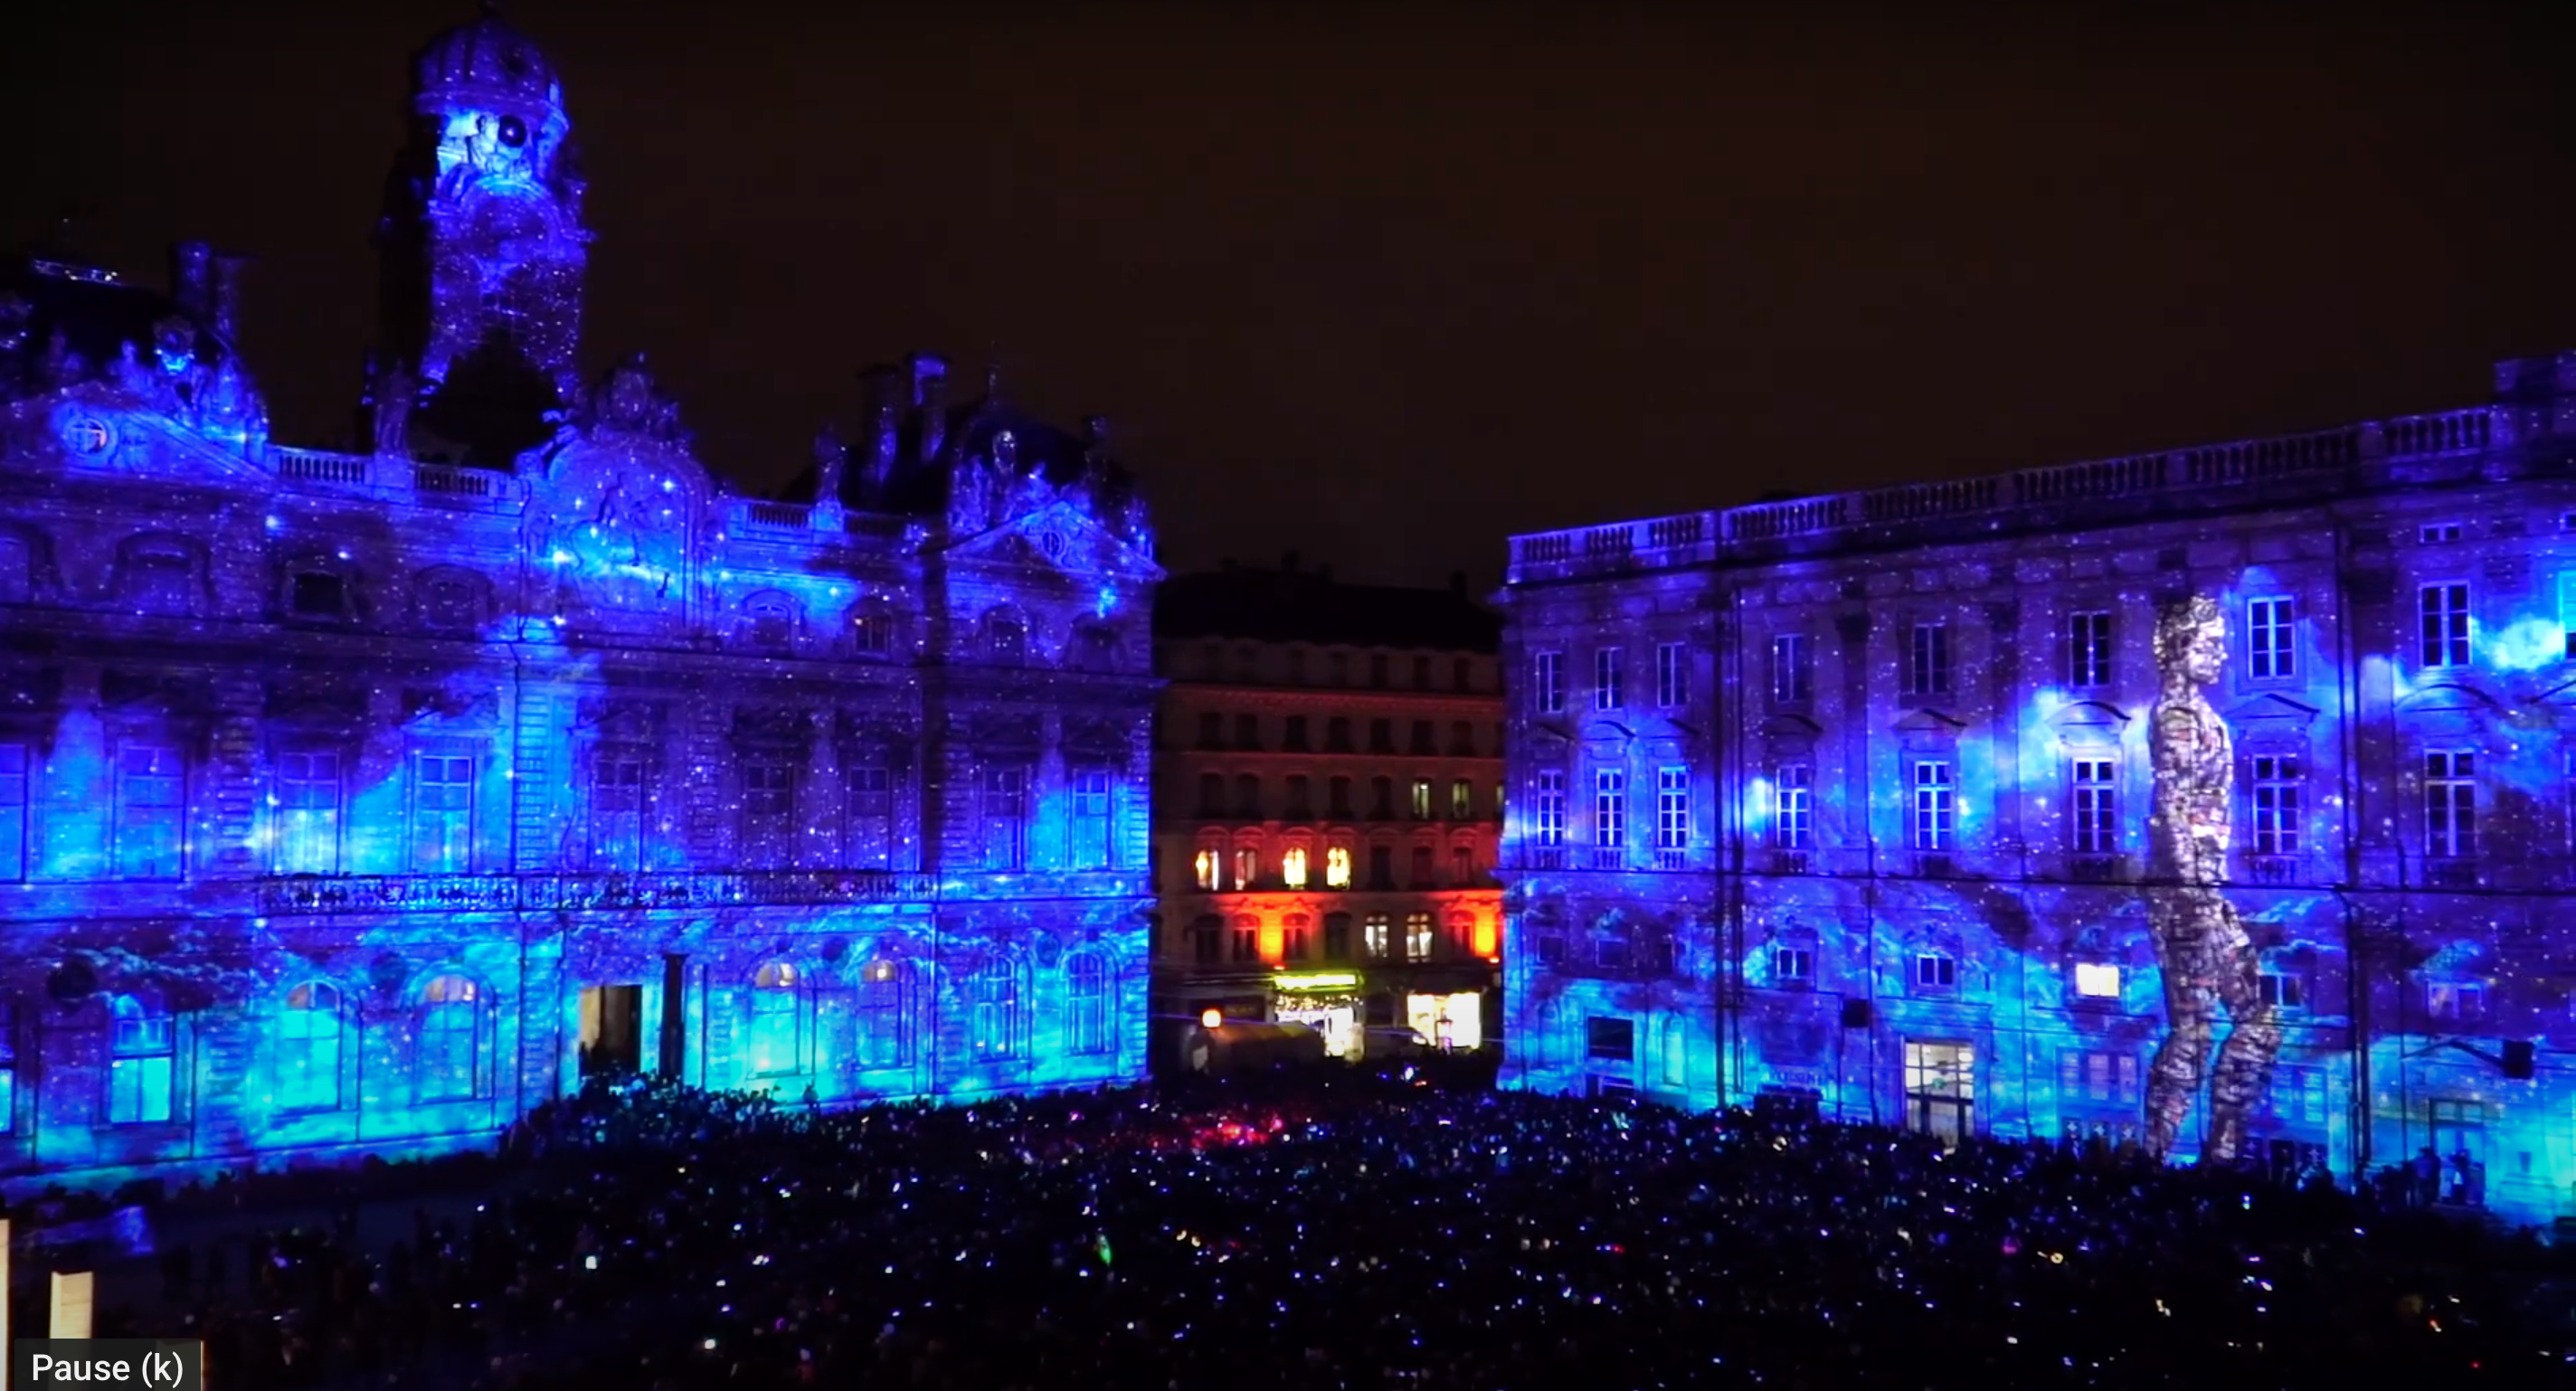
x,y
921,488
1291,604
96,311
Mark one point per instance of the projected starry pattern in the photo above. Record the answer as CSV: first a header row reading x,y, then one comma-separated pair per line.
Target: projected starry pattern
x,y
362,800
2216,801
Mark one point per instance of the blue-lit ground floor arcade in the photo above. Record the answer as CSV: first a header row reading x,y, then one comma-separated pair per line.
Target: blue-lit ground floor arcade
x,y
170,1045
2377,1030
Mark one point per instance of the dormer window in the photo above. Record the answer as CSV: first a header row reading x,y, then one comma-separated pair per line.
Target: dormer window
x,y
2097,981
317,594
1936,971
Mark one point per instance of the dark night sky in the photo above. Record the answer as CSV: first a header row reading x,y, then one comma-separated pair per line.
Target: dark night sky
x,y
1384,289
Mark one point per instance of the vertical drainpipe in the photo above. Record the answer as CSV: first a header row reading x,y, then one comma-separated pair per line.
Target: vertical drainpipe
x,y
1730,863
2357,965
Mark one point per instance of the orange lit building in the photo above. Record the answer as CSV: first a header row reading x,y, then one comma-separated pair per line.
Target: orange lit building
x,y
1327,807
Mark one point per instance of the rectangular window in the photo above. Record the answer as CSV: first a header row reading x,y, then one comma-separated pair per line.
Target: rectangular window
x,y
617,807
1337,936
2450,805
150,802
1936,971
1609,808
1548,677
1609,680
872,829
1211,730
1547,806
1337,805
1672,675
2095,826
142,1067
2299,1094
2445,628
2274,790
1927,667
2270,652
1247,733
1247,867
1207,869
768,815
2088,650
2097,980
1381,736
1934,806
1425,859
2099,1078
1793,808
1247,939
1462,867
1301,798
442,813
1337,867
1417,936
1425,742
1292,734
1420,801
1005,816
2437,533
1792,670
2284,990
1610,1040
1090,818
13,822
1377,935
2455,1001
1672,808
308,812
1462,800
1793,966
1381,867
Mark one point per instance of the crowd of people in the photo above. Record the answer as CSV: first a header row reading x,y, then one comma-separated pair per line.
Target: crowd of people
x,y
1347,1230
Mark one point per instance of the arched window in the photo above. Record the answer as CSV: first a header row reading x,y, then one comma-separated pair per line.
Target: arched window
x,y
1086,1002
1006,637
771,1048
308,1049
1292,867
885,1013
769,619
447,1063
143,1062
994,1009
158,574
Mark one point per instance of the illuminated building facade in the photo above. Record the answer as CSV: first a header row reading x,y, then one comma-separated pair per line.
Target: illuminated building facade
x,y
2221,801
363,800
1328,806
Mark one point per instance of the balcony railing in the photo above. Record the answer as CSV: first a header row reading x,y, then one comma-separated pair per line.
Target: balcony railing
x,y
449,484
489,893
1672,859
2026,497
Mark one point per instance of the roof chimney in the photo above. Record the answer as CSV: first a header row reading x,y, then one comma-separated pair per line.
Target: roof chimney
x,y
192,265
223,296
929,373
1288,562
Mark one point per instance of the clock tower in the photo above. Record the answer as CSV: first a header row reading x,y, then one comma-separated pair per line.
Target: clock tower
x,y
483,251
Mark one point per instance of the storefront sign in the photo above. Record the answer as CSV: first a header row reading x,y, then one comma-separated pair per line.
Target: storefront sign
x,y
1321,980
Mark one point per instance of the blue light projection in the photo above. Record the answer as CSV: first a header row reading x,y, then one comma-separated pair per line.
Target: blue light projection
x,y
2219,802
362,801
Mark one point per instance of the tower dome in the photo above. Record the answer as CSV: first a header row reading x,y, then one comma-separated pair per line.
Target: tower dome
x,y
485,63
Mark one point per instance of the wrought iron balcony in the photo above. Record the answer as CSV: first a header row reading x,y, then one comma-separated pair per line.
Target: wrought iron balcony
x,y
488,893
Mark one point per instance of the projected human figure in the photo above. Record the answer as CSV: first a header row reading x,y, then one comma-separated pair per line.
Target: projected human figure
x,y
2206,955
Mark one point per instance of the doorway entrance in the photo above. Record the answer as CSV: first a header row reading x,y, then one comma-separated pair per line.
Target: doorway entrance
x,y
1940,1089
612,1030
2460,1140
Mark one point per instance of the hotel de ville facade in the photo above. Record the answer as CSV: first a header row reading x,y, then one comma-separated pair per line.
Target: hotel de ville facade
x,y
360,800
